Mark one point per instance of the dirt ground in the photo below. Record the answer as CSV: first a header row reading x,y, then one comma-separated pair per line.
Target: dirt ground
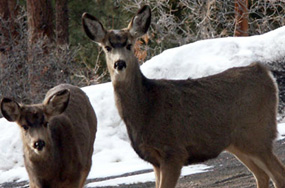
x,y
227,172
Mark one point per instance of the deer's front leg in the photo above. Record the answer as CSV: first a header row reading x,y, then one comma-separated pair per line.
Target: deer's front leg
x,y
157,176
169,175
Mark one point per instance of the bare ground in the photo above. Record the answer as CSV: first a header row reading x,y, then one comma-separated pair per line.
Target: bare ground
x,y
227,172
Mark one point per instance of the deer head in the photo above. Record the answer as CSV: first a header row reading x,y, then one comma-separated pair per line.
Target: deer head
x,y
34,119
118,44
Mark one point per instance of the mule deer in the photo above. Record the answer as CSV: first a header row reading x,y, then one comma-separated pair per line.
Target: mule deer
x,y
58,136
172,123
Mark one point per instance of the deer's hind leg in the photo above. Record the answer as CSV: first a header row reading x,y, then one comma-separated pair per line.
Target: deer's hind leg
x,y
272,166
262,179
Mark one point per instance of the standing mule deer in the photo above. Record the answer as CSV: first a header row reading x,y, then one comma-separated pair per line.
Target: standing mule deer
x,y
172,123
58,137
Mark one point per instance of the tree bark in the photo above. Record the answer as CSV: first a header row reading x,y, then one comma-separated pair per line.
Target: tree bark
x,y
4,9
13,8
14,11
40,38
62,32
8,28
4,25
40,20
241,18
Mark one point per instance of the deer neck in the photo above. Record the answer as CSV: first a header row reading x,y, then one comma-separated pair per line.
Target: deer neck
x,y
127,78
130,93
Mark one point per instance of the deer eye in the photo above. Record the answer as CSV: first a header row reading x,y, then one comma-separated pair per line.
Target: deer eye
x,y
129,47
108,48
25,127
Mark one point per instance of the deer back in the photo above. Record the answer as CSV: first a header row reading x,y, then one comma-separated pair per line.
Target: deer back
x,y
79,116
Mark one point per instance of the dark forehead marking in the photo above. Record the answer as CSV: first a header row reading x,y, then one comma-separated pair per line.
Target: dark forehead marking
x,y
34,117
118,38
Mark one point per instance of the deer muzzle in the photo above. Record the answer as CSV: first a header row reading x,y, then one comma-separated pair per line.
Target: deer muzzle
x,y
120,65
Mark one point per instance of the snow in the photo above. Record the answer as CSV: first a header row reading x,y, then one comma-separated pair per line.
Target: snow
x,y
145,177
113,154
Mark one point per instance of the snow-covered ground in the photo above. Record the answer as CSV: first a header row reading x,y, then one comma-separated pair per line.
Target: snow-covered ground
x,y
113,154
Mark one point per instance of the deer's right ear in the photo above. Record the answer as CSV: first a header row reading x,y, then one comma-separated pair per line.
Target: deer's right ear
x,y
93,28
10,109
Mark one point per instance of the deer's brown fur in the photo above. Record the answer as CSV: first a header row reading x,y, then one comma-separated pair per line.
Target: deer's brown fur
x,y
172,123
58,136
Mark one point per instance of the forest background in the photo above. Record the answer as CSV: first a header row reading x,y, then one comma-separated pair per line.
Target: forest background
x,y
42,43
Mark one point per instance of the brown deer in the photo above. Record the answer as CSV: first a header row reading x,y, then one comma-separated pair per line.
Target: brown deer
x,y
172,123
58,136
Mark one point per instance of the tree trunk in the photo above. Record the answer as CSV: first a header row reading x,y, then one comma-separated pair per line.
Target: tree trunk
x,y
241,18
62,32
14,11
40,17
8,28
40,39
13,8
4,25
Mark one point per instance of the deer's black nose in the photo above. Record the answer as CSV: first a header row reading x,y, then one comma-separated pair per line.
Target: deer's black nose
x,y
39,145
120,64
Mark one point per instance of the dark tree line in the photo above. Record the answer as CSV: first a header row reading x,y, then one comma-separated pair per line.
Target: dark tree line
x,y
34,47
40,20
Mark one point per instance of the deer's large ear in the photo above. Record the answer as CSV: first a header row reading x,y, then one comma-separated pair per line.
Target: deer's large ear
x,y
10,109
57,103
141,22
93,28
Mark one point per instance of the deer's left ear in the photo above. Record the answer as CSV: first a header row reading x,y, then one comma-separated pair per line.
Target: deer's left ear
x,y
93,28
141,22
57,103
